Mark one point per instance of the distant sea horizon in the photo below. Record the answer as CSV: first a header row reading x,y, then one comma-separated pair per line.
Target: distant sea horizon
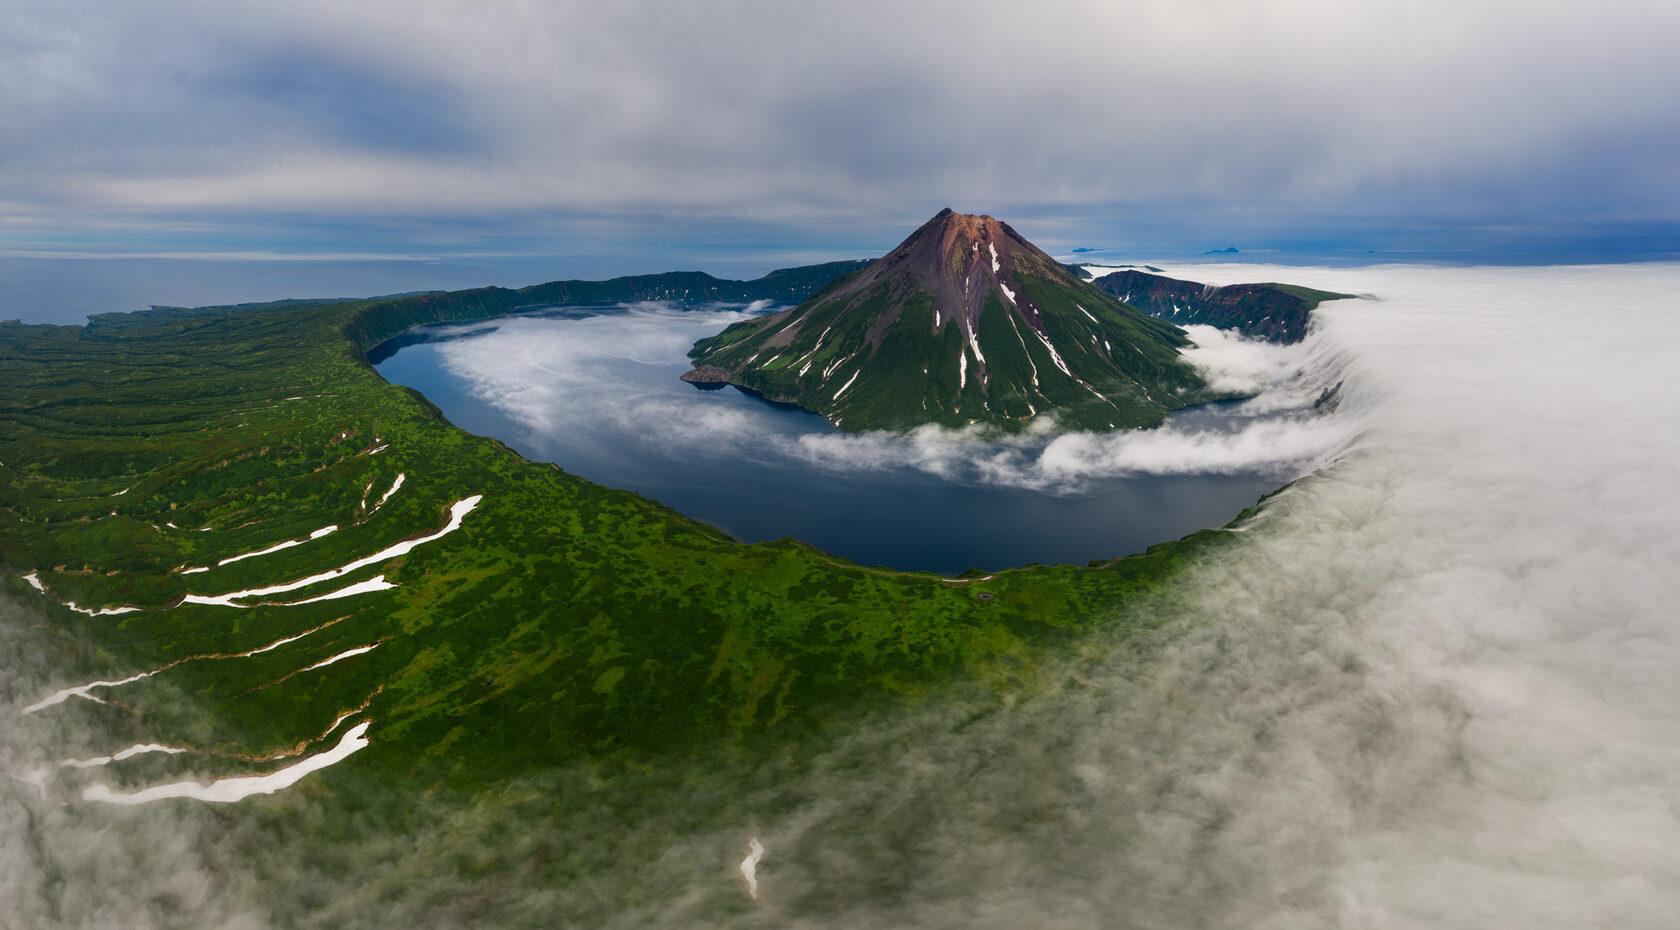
x,y
67,288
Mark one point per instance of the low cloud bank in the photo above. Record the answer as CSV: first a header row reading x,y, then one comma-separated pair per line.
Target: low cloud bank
x,y
1433,687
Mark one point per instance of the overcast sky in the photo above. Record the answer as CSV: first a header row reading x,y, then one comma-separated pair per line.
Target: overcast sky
x,y
430,126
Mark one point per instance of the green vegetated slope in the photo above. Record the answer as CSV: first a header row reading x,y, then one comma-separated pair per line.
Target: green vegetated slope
x,y
965,322
1274,312
560,620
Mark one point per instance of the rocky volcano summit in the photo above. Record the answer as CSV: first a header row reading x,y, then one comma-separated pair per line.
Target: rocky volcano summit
x,y
965,322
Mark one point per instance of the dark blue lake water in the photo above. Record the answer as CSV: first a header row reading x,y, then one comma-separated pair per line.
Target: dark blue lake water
x,y
597,393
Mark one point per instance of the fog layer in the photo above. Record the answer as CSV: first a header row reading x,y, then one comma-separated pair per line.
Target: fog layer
x,y
1430,686
1433,687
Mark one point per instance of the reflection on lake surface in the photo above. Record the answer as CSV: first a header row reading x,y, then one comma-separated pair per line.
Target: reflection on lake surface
x,y
595,391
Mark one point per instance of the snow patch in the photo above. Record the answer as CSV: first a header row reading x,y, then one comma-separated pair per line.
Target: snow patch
x,y
34,579
848,383
995,265
749,866
128,753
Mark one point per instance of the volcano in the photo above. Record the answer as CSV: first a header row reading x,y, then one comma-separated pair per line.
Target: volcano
x,y
966,322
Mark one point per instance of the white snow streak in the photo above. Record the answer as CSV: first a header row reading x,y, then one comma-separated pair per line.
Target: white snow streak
x,y
228,790
848,383
128,753
343,655
1054,355
401,476
457,513
274,645
34,579
82,691
376,583
274,548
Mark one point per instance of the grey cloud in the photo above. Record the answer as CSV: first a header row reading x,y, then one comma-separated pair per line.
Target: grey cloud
x,y
1296,107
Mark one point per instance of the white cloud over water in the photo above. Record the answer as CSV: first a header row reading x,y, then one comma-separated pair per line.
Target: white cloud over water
x,y
567,382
